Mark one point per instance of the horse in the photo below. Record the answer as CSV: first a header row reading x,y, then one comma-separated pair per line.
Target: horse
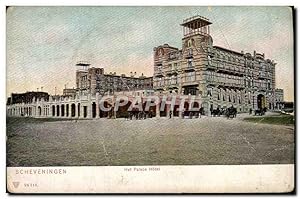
x,y
216,112
231,112
260,112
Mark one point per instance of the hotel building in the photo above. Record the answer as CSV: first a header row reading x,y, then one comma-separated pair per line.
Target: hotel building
x,y
221,76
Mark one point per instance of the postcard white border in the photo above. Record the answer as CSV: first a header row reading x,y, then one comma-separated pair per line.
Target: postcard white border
x,y
152,179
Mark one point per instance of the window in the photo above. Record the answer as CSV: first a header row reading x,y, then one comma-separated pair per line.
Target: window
x,y
190,63
159,68
174,66
160,81
190,52
209,59
209,92
190,76
174,80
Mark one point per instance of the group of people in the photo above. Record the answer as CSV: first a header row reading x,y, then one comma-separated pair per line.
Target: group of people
x,y
260,111
230,112
190,114
139,115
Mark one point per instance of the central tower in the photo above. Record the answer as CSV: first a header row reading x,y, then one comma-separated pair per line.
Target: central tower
x,y
196,33
197,46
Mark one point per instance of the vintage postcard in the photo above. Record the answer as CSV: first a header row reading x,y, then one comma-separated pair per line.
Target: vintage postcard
x,y
173,99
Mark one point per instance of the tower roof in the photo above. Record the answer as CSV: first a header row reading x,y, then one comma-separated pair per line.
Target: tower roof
x,y
83,63
199,20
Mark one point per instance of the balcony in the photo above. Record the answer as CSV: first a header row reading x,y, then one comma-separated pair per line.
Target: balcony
x,y
159,73
189,68
189,56
229,69
158,87
211,66
172,71
230,85
210,81
173,84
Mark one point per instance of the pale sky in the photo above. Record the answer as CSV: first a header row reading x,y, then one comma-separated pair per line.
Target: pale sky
x,y
44,43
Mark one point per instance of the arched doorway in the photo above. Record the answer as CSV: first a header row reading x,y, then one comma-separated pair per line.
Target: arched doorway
x,y
261,101
123,110
67,110
93,109
73,110
104,113
164,112
84,111
195,108
62,110
53,110
151,110
57,110
176,110
186,109
40,111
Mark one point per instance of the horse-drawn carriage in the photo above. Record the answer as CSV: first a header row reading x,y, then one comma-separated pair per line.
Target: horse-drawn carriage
x,y
260,111
216,112
229,112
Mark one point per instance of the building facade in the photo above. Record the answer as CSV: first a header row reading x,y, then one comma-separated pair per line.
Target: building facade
x,y
93,80
84,102
221,76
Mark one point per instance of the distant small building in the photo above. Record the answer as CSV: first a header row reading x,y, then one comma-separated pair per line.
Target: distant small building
x,y
92,80
279,97
28,97
69,92
288,106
